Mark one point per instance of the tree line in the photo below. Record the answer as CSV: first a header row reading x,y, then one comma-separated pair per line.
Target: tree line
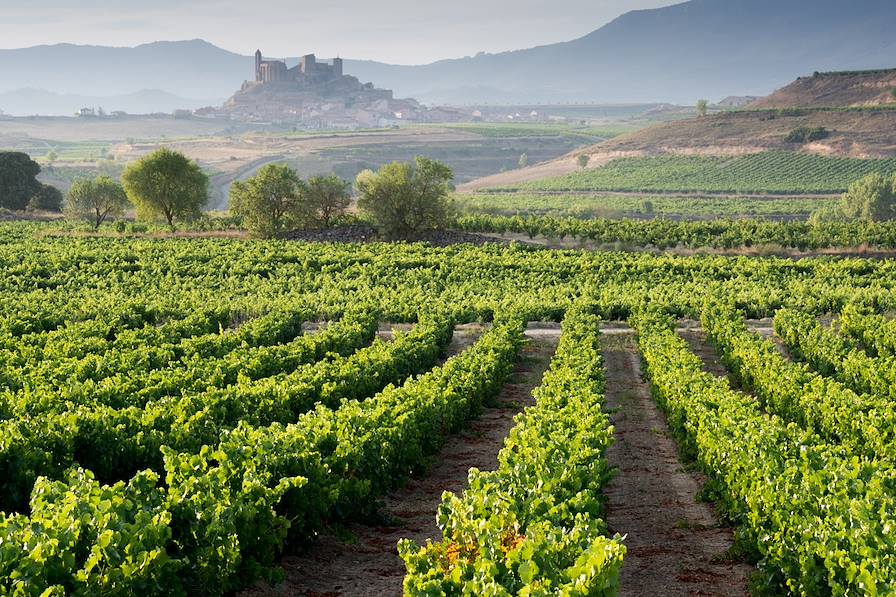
x,y
400,199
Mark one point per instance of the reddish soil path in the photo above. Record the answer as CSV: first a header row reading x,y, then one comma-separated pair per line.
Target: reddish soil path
x,y
676,546
362,559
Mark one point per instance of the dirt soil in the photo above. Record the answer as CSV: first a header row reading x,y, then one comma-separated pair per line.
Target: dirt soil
x,y
676,545
362,559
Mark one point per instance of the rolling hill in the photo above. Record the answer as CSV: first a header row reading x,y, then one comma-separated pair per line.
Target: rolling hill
x,y
851,89
700,48
856,112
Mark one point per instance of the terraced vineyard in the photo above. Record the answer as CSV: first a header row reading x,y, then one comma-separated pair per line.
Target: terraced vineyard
x,y
771,172
183,416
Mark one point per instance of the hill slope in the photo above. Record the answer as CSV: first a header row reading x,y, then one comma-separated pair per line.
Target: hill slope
x,y
870,88
701,48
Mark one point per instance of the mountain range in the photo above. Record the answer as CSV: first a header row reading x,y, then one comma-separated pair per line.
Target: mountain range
x,y
700,48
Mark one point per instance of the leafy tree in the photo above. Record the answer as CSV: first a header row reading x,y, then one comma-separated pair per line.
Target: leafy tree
x,y
702,106
51,157
583,160
269,202
872,198
48,198
404,199
524,160
325,197
95,200
18,179
166,184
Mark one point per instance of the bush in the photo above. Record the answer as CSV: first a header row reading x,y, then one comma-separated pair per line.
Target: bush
x,y
807,135
48,198
869,199
18,180
404,199
96,200
269,202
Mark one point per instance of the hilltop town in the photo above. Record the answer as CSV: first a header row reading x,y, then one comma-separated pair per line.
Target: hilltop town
x,y
320,95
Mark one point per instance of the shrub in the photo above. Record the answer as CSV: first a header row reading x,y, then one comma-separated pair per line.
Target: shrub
x,y
404,199
48,198
96,200
807,135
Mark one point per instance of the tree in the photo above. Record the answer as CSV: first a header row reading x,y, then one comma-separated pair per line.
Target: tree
x,y
583,160
46,199
325,197
95,200
269,202
18,179
51,157
524,160
166,184
404,199
702,106
871,199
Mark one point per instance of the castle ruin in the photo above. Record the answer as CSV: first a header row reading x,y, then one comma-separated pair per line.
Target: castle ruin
x,y
308,69
316,95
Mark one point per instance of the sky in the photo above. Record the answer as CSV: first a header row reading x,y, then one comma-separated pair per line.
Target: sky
x,y
396,31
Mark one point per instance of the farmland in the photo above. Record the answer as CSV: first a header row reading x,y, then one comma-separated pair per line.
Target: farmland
x,y
766,172
211,408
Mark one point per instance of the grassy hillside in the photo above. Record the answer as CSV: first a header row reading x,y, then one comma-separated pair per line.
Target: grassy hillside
x,y
767,172
860,88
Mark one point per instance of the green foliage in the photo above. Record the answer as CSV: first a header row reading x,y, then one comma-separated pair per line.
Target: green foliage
x,y
533,525
870,199
702,106
269,203
807,135
583,160
96,200
404,199
766,172
719,234
166,184
48,198
584,205
788,490
18,180
523,161
326,198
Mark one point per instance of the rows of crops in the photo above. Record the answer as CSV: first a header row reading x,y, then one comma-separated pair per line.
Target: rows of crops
x,y
583,205
781,172
662,234
174,413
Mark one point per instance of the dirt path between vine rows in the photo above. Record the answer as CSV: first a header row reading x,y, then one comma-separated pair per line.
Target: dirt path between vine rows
x,y
676,546
362,559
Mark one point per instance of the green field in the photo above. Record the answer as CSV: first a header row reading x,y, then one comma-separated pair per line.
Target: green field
x,y
510,130
772,172
174,416
619,206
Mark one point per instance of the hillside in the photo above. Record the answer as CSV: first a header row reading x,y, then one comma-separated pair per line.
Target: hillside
x,y
853,133
868,88
700,48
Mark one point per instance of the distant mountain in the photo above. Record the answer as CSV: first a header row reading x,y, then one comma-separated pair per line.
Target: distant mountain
x,y
701,48
193,68
29,102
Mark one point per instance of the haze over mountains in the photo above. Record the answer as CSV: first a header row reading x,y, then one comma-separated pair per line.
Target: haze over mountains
x,y
701,48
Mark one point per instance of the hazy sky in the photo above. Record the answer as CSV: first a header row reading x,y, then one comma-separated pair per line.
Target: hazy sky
x,y
399,31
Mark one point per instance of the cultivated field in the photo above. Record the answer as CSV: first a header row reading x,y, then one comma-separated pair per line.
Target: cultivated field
x,y
185,416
